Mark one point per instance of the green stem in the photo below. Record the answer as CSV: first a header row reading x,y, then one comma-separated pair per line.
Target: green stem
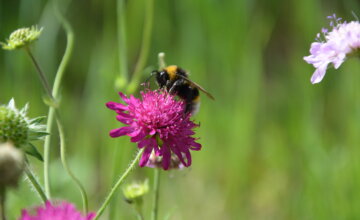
x,y
66,166
122,49
145,46
117,184
68,51
140,216
138,209
40,72
30,175
48,124
57,82
2,203
156,194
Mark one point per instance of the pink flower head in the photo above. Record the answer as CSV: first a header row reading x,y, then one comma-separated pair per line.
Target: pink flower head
x,y
60,212
342,40
156,122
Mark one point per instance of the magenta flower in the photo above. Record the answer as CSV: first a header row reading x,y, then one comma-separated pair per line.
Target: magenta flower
x,y
344,39
157,123
60,212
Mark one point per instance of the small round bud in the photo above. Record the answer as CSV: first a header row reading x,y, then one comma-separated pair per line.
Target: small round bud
x,y
22,37
13,126
135,191
11,164
17,128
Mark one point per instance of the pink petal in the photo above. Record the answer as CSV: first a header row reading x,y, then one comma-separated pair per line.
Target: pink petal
x,y
123,119
319,74
166,159
179,155
143,143
120,131
188,157
195,146
152,132
137,136
116,106
145,156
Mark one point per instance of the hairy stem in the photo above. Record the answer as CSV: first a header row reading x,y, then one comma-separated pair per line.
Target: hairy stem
x,y
35,183
154,214
145,46
48,124
117,184
66,166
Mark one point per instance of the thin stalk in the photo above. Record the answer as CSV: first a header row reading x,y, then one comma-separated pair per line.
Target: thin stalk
x,y
55,93
40,72
138,209
145,46
68,51
66,166
2,203
48,124
117,184
31,177
156,194
122,49
140,216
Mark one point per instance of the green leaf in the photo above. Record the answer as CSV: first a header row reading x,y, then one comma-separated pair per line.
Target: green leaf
x,y
32,150
37,135
37,120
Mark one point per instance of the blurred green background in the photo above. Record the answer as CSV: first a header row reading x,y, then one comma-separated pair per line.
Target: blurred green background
x,y
274,146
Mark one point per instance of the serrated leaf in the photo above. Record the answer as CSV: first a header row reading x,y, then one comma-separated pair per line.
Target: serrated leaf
x,y
32,150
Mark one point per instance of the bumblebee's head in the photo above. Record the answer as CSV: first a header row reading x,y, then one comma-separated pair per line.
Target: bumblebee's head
x,y
161,77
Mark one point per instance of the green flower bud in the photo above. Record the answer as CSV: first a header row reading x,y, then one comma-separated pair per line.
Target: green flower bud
x,y
20,130
135,191
13,126
12,164
21,37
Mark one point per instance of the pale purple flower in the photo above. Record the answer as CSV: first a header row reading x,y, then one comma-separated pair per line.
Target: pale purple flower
x,y
342,40
157,122
55,212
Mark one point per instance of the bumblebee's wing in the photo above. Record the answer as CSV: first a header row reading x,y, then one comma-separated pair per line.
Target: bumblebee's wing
x,y
197,86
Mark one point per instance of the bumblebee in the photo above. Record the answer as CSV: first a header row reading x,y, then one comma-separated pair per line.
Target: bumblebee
x,y
175,80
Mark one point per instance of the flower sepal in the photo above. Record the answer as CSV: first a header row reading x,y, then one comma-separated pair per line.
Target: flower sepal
x,y
31,150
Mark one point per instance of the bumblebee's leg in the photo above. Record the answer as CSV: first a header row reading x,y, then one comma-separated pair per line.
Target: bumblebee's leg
x,y
175,86
167,85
